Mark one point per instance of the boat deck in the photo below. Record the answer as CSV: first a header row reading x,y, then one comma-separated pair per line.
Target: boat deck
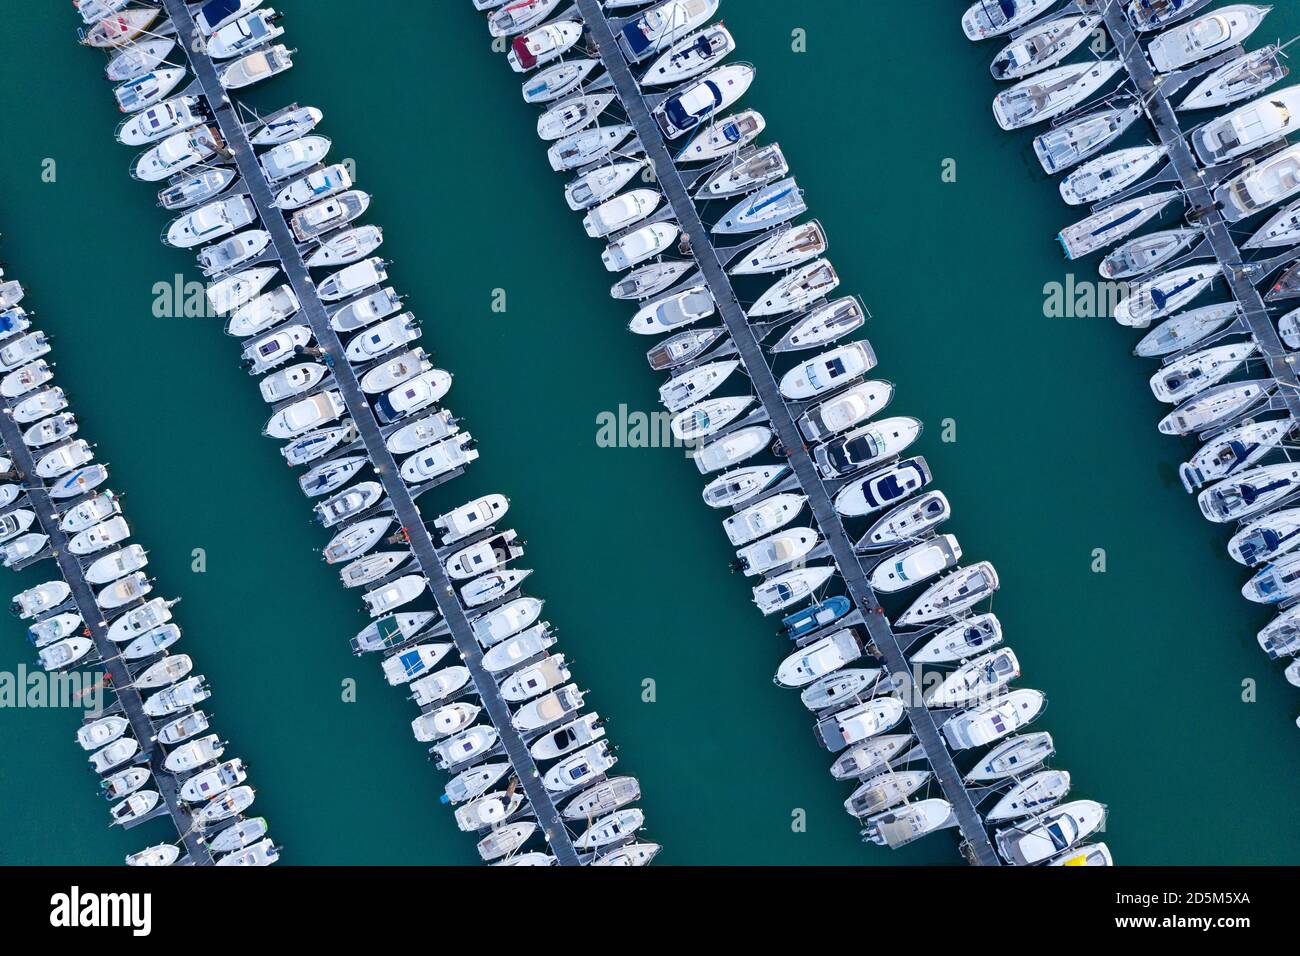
x,y
750,353
399,494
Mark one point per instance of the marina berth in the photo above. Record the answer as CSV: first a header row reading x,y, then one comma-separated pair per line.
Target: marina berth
x,y
364,419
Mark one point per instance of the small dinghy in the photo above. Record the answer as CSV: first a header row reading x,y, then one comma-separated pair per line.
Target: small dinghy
x,y
788,248
771,205
1145,254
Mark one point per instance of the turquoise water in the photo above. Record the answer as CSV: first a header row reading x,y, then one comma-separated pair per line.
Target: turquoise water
x,y
1056,454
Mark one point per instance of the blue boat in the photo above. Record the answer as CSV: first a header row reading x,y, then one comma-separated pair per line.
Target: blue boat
x,y
815,616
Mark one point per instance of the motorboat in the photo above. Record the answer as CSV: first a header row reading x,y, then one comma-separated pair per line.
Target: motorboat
x,y
840,687
570,115
466,746
1110,174
140,619
119,29
64,653
194,754
25,378
776,551
353,280
707,96
471,518
783,590
823,325
1147,15
316,185
993,720
882,488
286,125
152,642
866,446
735,488
163,854
274,349
239,289
215,14
1146,253
473,782
238,835
20,351
1071,143
505,840
177,697
621,212
1204,37
14,322
249,32
346,247
960,641
651,279
229,804
15,523
600,183
488,810
617,826
543,44
845,409
291,381
319,442
683,347
422,432
1182,331
821,657
1267,182
390,633
630,854
1247,128
907,522
210,222
507,620
977,679
148,89
858,723
64,459
676,309
568,737
306,414
124,591
767,516
1266,538
1164,294
1248,493
642,36
1043,45
639,245
608,795
790,247
134,807
1090,854
558,80
388,375
952,594
259,314
393,594
413,395
1275,582
1193,373
535,679
796,290
439,459
361,312
772,205
413,662
1031,796
871,756
483,556
983,19
1013,757
492,587
723,137
114,754
1050,833
885,790
915,563
517,650
262,853
231,253
688,387
254,67
1113,223
708,417
732,448
827,371
689,56
349,503
178,152
99,536
1239,78
328,214
54,628
331,475
1052,92
1281,636
579,768
183,728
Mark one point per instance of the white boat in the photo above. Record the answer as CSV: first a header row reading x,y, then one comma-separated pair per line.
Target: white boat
x,y
604,797
394,594
247,33
1234,450
99,536
1243,76
353,280
776,551
915,563
413,662
1247,128
558,80
152,642
319,442
790,247
22,350
620,212
121,28
123,591
274,349
689,56
64,459
962,640
882,488
1264,184
1109,175
64,653
316,185
772,205
1090,854
780,592
147,90
292,381
194,754
255,67
1148,252
908,521
871,756
1113,223
49,430
233,252
647,33
953,594
474,782
492,587
691,386
517,650
839,688
363,311
306,414
1147,15
1164,294
282,127
164,854
600,183
1031,796
1037,840
858,723
1012,757
392,373
570,115
984,19
618,825
505,840
137,805
315,220
1281,636
268,309
381,338
975,680
1073,142
1266,538
391,632
22,380
177,697
674,310
796,290
114,754
543,44
139,58
1282,229
1248,493
1206,36
568,737
488,810
732,448
229,804
579,768
823,325
1052,92
439,459
211,222
237,290
866,446
724,136
54,628
828,371
1043,44
215,14
816,660
632,854
507,620
885,790
546,674
413,395
422,433
693,104
1276,582
1197,371
639,245
349,503
845,409
439,685
734,488
371,568
708,417
140,619
346,247
466,746
651,279
471,518
262,853
238,835
183,728
483,556
993,720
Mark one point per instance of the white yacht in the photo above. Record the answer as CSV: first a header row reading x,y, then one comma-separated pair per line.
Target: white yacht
x,y
1012,757
1266,538
866,446
348,246
535,679
316,185
828,371
772,205
725,136
645,34
231,253
845,409
543,44
948,597
1042,45
791,587
413,662
488,810
579,768
1248,493
1113,223
790,247
984,19
977,679
1264,184
604,797
147,90
871,756
993,720
519,649
286,125
587,146
211,222
519,16
674,310
361,312
796,290
956,642
1072,142
151,642
1031,796
1247,128
1184,330
621,211
915,563
241,36
1052,92
471,518
254,67
709,417
568,737
570,115
1109,175
1164,294
394,594
688,387
1206,36
1038,840
732,448
1146,253
823,325
1241,77
558,80
1214,406
600,183
860,722
907,522
767,516
507,620
1197,371
1282,229
690,56
816,660
639,245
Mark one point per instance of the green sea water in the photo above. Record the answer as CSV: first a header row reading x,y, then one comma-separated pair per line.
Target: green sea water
x,y
1056,454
